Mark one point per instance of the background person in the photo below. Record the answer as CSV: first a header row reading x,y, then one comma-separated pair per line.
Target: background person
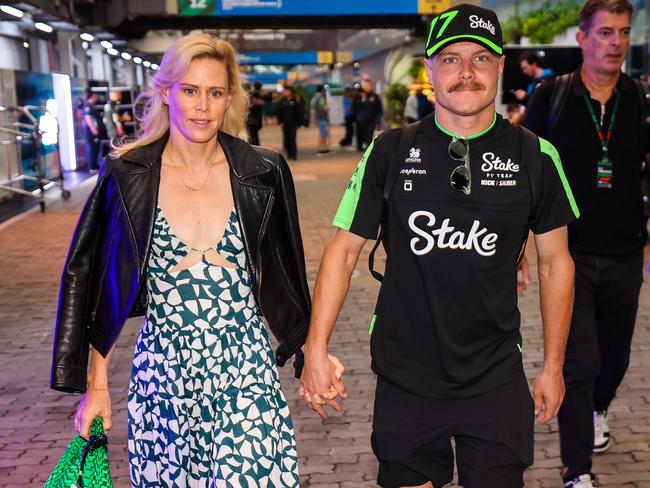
x,y
515,113
94,129
367,109
255,119
321,110
348,96
290,117
531,66
172,222
600,134
411,108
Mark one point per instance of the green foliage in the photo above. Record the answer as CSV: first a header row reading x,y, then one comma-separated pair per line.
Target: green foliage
x,y
396,95
541,25
416,67
512,29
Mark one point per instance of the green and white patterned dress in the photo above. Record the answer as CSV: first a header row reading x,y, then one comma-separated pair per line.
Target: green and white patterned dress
x,y
206,408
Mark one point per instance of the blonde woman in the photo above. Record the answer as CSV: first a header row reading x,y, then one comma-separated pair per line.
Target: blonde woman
x,y
198,230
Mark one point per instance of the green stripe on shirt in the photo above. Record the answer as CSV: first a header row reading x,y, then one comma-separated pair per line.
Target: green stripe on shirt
x,y
549,149
348,206
372,324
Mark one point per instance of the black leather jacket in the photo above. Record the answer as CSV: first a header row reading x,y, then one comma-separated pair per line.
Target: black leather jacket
x,y
104,278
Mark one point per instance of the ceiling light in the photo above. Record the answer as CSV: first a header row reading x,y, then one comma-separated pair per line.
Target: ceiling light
x,y
154,66
146,64
87,37
11,11
106,45
42,26
126,56
26,45
112,52
137,60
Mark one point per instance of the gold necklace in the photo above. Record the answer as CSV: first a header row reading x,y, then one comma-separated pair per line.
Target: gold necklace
x,y
190,187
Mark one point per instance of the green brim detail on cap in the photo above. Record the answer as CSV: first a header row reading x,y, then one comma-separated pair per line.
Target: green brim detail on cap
x,y
487,42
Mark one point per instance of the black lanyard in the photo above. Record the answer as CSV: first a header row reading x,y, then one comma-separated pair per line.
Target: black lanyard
x,y
605,167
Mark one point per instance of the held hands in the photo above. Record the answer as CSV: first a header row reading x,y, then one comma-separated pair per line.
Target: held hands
x,y
321,383
548,393
96,402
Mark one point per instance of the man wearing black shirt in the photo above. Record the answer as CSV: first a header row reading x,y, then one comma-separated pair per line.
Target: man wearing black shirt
x,y
367,111
445,335
290,115
255,118
94,129
600,134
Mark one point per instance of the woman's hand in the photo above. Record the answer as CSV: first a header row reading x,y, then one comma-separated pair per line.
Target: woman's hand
x,y
321,383
96,402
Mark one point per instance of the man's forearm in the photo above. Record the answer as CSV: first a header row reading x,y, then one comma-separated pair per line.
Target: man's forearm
x,y
556,287
332,284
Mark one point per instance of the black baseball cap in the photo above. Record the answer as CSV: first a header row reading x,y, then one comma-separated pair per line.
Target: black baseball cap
x,y
464,22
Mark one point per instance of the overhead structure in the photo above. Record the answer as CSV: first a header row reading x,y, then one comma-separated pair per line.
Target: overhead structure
x,y
135,18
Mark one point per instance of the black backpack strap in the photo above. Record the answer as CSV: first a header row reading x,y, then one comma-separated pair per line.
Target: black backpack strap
x,y
532,155
643,90
561,85
404,141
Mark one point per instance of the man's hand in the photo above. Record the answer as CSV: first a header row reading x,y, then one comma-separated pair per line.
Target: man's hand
x,y
321,383
523,275
548,393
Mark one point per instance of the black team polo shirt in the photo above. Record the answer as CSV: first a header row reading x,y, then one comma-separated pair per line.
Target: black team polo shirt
x,y
446,322
612,220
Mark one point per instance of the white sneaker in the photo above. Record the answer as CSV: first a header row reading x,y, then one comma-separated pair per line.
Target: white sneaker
x,y
601,432
582,481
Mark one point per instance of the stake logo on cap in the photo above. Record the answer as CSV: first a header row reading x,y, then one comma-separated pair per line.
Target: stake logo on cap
x,y
464,22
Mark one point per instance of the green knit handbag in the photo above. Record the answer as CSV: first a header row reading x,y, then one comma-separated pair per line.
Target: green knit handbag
x,y
84,463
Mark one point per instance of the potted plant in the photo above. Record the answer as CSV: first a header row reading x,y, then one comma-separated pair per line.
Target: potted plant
x,y
395,95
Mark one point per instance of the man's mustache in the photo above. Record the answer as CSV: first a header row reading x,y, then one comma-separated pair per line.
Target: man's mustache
x,y
471,85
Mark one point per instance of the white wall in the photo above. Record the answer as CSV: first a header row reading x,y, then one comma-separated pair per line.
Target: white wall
x,y
14,55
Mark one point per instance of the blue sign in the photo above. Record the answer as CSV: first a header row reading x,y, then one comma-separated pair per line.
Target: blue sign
x,y
266,78
311,7
279,58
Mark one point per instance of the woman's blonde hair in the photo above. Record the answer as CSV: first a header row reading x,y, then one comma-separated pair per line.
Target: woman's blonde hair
x,y
154,120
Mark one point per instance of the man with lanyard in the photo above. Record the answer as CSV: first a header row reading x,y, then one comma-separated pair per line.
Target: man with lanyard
x,y
600,132
445,335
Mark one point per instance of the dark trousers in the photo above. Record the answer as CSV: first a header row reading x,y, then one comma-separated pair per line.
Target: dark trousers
x,y
289,141
598,351
365,131
92,153
349,131
254,135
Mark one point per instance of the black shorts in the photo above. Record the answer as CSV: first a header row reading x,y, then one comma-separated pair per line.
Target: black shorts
x,y
493,434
